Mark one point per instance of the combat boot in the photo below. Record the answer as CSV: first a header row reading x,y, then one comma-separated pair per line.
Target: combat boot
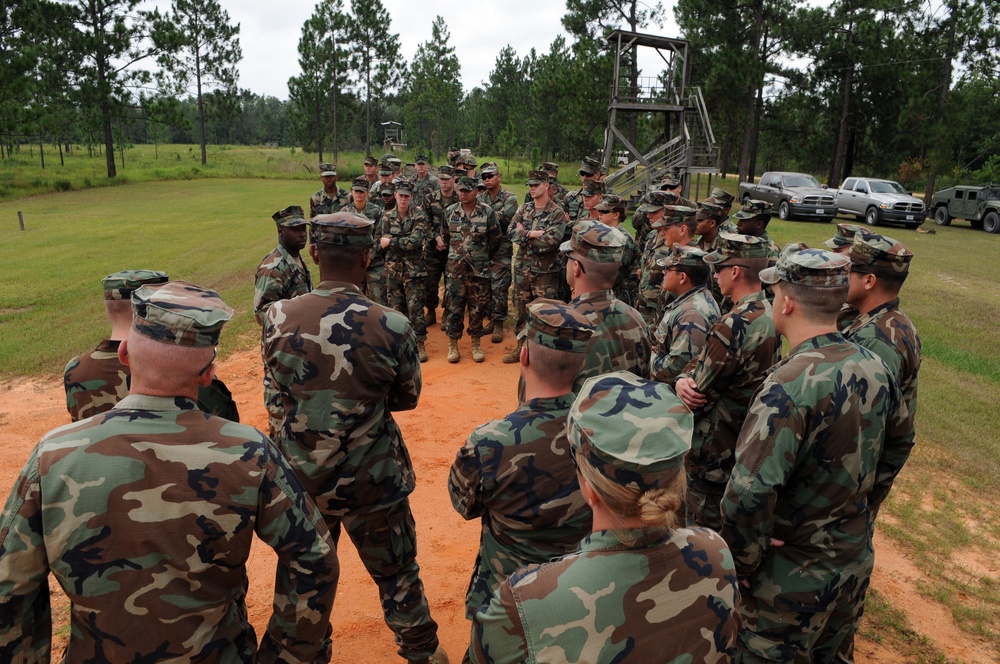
x,y
477,350
439,657
453,355
431,317
514,356
421,351
497,333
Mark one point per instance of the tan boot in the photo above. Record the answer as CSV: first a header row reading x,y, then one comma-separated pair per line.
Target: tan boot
x,y
439,657
453,355
477,350
497,333
421,351
514,356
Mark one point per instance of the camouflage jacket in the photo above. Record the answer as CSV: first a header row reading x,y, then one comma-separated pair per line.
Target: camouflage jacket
x,y
342,364
682,333
473,240
96,382
541,254
888,332
626,286
280,276
823,442
321,203
713,286
620,342
651,275
623,596
517,476
407,233
424,188
434,207
145,516
373,212
573,205
375,194
741,348
505,206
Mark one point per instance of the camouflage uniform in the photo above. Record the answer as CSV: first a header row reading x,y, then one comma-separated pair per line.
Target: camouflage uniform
x,y
638,595
342,364
823,441
473,239
405,274
145,516
741,348
374,286
435,204
621,340
505,207
537,266
279,276
322,203
424,187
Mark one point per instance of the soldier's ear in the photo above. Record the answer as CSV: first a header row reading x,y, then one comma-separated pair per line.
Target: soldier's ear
x,y
314,253
123,352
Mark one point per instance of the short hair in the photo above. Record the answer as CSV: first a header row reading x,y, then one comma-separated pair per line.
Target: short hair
x,y
691,224
820,305
558,367
118,311
888,280
698,274
752,268
657,508
603,275
168,365
340,255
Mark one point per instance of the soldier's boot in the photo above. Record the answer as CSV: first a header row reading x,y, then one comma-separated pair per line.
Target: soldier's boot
x,y
453,355
497,333
488,327
514,356
431,317
439,657
477,350
421,351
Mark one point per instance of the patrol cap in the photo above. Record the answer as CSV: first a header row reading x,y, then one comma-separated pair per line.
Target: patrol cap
x,y
489,167
590,166
595,241
592,188
879,255
446,172
844,237
673,215
816,268
179,313
537,177
470,160
371,161
550,166
683,255
632,431
343,229
394,161
387,189
465,183
710,210
421,159
327,169
360,184
387,158
669,181
385,168
722,197
293,215
557,325
735,246
121,285
611,203
660,197
754,209
403,186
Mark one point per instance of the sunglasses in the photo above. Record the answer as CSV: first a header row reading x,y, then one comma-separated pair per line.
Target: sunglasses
x,y
488,176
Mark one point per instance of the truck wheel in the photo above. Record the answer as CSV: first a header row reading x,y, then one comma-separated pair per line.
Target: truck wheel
x,y
745,199
784,211
941,216
871,216
991,223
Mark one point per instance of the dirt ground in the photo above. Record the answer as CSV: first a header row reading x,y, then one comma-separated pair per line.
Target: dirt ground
x,y
455,399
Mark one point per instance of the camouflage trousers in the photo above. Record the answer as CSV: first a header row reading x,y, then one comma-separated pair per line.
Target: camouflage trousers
x,y
465,290
374,286
703,503
529,286
405,294
500,272
435,262
386,541
771,634
275,411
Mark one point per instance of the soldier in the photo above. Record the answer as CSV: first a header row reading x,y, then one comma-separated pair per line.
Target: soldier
x,y
678,226
612,213
474,234
282,274
723,199
537,228
436,250
710,219
721,381
590,171
822,443
375,191
620,341
591,194
158,503
470,166
342,364
753,219
504,204
637,589
841,243
683,330
403,230
374,283
649,276
528,448
94,383
371,170
426,183
330,198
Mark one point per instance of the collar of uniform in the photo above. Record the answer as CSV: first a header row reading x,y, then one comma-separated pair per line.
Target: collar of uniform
x,y
813,343
869,316
687,295
546,404
592,297
623,540
109,345
336,287
756,296
146,402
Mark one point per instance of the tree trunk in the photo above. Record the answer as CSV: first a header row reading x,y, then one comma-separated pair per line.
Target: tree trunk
x,y
368,109
319,123
41,150
837,170
201,106
751,93
62,162
937,148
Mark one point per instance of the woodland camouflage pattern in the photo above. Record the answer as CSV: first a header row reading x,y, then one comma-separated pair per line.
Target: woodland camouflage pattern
x,y
505,207
280,276
889,333
474,237
436,261
322,203
823,441
620,341
651,299
405,272
537,266
682,333
141,506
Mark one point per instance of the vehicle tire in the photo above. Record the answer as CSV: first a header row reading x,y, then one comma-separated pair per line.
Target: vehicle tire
x,y
941,216
871,216
746,197
991,222
784,211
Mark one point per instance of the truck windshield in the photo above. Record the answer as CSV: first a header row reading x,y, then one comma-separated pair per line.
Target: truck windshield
x,y
887,187
800,181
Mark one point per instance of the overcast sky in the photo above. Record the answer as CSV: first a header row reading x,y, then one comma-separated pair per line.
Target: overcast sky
x,y
270,31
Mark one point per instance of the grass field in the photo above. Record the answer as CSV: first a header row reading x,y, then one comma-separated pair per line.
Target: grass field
x,y
214,231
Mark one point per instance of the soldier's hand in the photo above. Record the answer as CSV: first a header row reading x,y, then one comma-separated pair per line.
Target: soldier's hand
x,y
384,242
686,389
440,243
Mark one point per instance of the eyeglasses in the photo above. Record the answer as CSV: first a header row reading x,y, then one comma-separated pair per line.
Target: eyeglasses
x,y
488,176
215,352
583,270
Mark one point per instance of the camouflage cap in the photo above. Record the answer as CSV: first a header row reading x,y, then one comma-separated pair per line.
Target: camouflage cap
x,y
121,285
387,189
385,168
327,169
179,313
537,177
673,215
844,237
421,159
592,188
595,241
631,430
710,210
343,229
668,181
753,209
611,202
802,266
387,158
403,186
550,166
590,166
293,215
371,161
557,325
722,197
394,161
685,255
879,254
446,172
470,160
736,246
489,167
660,197
465,183
360,184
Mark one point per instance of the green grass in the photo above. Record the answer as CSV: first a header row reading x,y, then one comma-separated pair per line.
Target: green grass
x,y
888,626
